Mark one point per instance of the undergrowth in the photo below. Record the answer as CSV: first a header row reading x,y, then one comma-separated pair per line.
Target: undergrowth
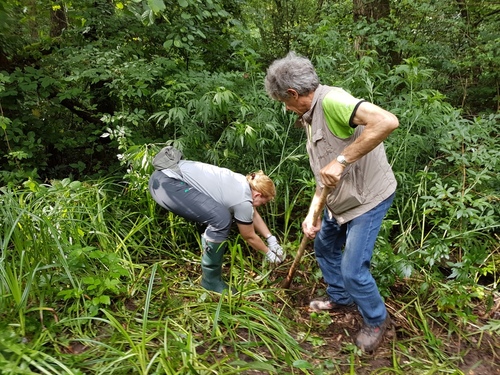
x,y
90,284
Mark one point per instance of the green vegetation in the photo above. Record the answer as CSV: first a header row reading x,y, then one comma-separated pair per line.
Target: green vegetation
x,y
96,279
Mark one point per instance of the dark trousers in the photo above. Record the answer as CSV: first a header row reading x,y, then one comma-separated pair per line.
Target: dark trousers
x,y
184,200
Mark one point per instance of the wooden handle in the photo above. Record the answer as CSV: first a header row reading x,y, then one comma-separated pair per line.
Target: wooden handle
x,y
319,207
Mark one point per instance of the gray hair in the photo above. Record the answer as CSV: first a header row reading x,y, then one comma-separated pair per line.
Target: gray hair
x,y
291,72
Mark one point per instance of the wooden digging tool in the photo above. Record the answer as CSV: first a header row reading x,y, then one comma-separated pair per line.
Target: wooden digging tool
x,y
286,282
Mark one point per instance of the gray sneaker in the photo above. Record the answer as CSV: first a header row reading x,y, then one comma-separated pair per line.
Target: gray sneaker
x,y
370,337
326,304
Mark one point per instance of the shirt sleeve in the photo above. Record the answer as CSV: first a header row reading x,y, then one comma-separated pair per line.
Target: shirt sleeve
x,y
243,213
339,107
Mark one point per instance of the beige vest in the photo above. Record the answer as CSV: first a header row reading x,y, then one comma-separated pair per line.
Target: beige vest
x,y
364,184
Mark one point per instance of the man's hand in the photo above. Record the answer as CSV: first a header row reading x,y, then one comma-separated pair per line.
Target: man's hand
x,y
331,173
309,228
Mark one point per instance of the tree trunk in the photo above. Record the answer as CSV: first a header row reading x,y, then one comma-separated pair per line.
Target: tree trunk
x,y
282,23
372,10
464,13
58,20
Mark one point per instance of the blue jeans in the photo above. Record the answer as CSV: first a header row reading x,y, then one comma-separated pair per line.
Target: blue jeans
x,y
347,273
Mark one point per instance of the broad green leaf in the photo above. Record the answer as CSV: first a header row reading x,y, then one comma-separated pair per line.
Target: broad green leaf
x,y
156,5
302,364
4,122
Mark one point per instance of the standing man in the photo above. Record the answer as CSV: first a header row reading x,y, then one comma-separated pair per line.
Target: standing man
x,y
345,145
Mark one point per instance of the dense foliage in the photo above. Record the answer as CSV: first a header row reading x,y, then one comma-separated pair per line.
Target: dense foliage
x,y
90,90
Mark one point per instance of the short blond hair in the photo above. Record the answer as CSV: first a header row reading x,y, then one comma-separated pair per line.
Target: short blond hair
x,y
261,183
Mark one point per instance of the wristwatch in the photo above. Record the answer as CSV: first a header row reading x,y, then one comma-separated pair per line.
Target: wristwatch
x,y
341,160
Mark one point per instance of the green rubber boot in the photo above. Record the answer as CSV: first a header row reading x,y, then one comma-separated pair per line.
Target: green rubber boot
x,y
211,265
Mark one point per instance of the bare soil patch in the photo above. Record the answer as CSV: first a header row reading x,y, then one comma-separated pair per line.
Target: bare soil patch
x,y
473,353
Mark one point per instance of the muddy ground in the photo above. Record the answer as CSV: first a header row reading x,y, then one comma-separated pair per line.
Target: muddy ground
x,y
333,334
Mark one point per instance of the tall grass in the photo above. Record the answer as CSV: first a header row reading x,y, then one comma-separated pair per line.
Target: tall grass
x,y
126,298
72,255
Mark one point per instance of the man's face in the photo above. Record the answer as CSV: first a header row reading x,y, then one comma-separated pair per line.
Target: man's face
x,y
296,103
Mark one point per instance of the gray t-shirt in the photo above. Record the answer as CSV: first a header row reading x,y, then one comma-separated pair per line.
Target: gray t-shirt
x,y
223,185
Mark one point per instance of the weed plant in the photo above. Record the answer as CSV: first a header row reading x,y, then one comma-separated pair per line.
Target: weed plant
x,y
95,278
80,294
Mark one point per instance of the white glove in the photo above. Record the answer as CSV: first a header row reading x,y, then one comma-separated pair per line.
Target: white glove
x,y
275,247
272,257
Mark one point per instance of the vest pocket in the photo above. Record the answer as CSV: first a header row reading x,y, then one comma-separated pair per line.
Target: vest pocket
x,y
320,148
349,194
